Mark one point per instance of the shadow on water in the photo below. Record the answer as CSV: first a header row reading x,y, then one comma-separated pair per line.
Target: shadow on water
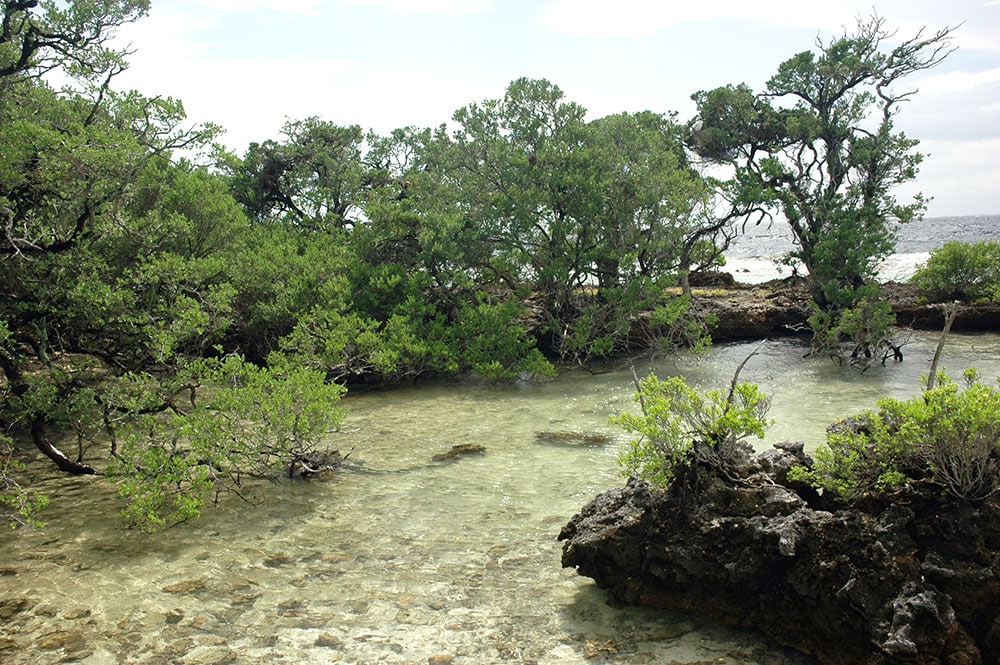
x,y
639,633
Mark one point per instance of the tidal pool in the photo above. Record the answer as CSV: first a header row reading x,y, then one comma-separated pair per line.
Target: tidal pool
x,y
402,559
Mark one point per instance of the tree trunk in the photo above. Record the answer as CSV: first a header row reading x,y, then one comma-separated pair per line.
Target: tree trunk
x,y
817,290
19,387
64,463
686,282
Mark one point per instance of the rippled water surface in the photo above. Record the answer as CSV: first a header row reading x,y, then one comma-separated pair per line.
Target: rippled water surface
x,y
752,257
401,559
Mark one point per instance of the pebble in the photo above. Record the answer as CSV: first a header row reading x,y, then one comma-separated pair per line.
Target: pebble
x,y
277,560
77,614
11,606
62,639
187,586
330,641
441,659
211,656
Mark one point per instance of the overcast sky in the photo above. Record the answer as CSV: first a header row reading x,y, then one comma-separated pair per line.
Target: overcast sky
x,y
251,65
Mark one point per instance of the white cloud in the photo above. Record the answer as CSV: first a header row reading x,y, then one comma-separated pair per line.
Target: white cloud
x,y
641,18
166,33
253,98
638,18
298,7
960,176
200,52
957,81
408,7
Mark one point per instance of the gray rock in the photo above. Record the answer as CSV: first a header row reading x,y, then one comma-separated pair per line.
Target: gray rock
x,y
913,581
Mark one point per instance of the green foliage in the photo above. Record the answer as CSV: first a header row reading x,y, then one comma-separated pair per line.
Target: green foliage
x,y
678,424
494,343
947,435
961,270
18,506
860,334
74,36
733,117
676,326
592,219
819,147
253,423
283,275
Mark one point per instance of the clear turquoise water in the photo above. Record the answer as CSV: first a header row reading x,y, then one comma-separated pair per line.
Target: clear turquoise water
x,y
401,559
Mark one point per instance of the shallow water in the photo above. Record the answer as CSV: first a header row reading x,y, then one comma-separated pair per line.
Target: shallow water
x,y
402,559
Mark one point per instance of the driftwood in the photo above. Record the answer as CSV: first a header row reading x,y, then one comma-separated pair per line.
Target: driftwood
x,y
315,463
949,320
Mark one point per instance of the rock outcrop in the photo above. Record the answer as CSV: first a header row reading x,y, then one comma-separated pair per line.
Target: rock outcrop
x,y
781,307
912,310
915,580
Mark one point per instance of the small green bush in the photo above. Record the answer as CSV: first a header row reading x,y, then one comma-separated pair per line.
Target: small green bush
x,y
18,507
860,335
962,270
678,424
253,422
947,435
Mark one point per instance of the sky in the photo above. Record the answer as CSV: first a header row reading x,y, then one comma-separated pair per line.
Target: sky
x,y
253,65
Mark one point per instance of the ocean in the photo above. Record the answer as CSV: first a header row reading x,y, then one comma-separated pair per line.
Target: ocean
x,y
751,258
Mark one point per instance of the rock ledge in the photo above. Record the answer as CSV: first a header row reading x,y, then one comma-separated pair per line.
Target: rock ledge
x,y
915,580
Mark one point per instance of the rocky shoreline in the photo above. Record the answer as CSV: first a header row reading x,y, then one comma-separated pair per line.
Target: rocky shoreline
x,y
915,580
781,308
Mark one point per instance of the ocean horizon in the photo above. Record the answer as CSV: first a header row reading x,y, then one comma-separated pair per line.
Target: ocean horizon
x,y
753,256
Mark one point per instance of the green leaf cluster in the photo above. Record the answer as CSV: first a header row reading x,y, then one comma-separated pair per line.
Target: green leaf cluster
x,y
947,435
962,270
678,424
860,335
18,506
252,422
819,147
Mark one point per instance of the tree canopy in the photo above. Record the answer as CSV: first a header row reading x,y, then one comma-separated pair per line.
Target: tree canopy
x,y
819,147
180,325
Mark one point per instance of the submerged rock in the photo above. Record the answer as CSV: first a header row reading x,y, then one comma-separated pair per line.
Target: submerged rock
x,y
457,451
915,581
572,438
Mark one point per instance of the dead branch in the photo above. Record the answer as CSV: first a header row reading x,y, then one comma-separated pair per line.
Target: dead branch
x,y
952,311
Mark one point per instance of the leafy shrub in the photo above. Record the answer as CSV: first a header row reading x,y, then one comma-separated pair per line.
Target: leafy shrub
x,y
678,424
946,435
859,335
959,270
18,506
255,422
492,341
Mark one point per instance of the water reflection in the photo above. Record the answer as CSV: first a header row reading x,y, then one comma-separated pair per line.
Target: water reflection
x,y
406,559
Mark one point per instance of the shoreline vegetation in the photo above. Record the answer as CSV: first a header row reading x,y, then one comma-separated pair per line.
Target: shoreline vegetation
x,y
186,319
878,548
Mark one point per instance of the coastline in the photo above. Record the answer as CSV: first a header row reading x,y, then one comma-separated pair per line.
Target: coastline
x,y
781,307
